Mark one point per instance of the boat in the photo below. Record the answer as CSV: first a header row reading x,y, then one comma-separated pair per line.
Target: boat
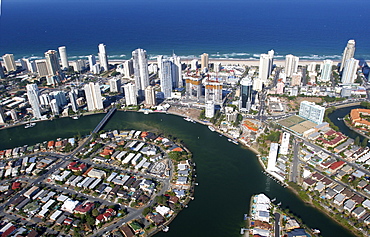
x,y
188,119
233,141
165,228
316,231
211,128
245,217
75,117
30,125
146,112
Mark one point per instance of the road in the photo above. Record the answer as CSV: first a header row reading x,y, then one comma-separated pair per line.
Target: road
x,y
277,224
295,162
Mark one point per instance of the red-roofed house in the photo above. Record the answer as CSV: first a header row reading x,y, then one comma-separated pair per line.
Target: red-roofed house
x,y
51,144
84,208
74,166
108,151
105,216
16,185
178,149
9,231
336,166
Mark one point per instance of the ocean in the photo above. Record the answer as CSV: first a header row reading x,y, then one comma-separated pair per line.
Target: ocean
x,y
224,29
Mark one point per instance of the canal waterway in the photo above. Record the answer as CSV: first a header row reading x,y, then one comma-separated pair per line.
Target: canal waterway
x,y
228,175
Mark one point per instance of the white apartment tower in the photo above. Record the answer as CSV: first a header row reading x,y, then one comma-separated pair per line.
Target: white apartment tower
x,y
115,85
2,115
73,99
130,94
350,71
93,96
9,62
141,73
103,57
63,57
52,62
33,94
204,59
312,112
266,63
348,53
41,68
210,109
150,96
326,71
271,163
92,61
284,148
291,64
167,78
54,107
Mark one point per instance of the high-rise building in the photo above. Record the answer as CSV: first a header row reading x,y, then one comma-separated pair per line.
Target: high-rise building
x,y
296,79
150,96
159,63
284,148
9,63
24,64
41,67
54,107
291,64
177,71
63,57
126,68
213,91
33,94
257,84
348,53
141,74
79,65
73,99
245,101
28,65
2,74
210,109
103,58
94,99
115,85
204,59
2,115
130,94
193,87
194,65
60,98
350,71
13,115
266,63
271,162
326,71
312,112
167,78
52,62
44,99
92,61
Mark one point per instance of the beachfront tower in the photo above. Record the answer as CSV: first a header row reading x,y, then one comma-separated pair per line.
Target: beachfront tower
x,y
350,71
141,73
204,59
9,63
52,62
103,58
245,101
291,65
265,67
33,94
63,57
2,74
73,99
93,96
348,53
326,71
167,77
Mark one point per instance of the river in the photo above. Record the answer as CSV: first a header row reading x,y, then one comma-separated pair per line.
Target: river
x,y
228,175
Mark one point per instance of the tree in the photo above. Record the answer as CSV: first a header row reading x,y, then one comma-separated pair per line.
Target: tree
x,y
364,142
95,212
357,141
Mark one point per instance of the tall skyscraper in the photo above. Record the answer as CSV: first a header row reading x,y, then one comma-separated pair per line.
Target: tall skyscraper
x,y
52,62
54,107
2,74
204,59
60,98
150,96
9,63
193,87
167,78
141,74
73,99
44,99
312,112
130,94
348,53
92,61
245,102
94,99
115,85
213,91
33,94
159,63
103,58
177,72
291,64
63,57
266,63
326,71
210,109
41,67
350,71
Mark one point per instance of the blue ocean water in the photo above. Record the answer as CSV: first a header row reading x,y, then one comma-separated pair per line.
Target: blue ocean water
x,y
237,29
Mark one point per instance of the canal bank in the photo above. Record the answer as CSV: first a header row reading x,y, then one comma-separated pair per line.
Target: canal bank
x,y
228,175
